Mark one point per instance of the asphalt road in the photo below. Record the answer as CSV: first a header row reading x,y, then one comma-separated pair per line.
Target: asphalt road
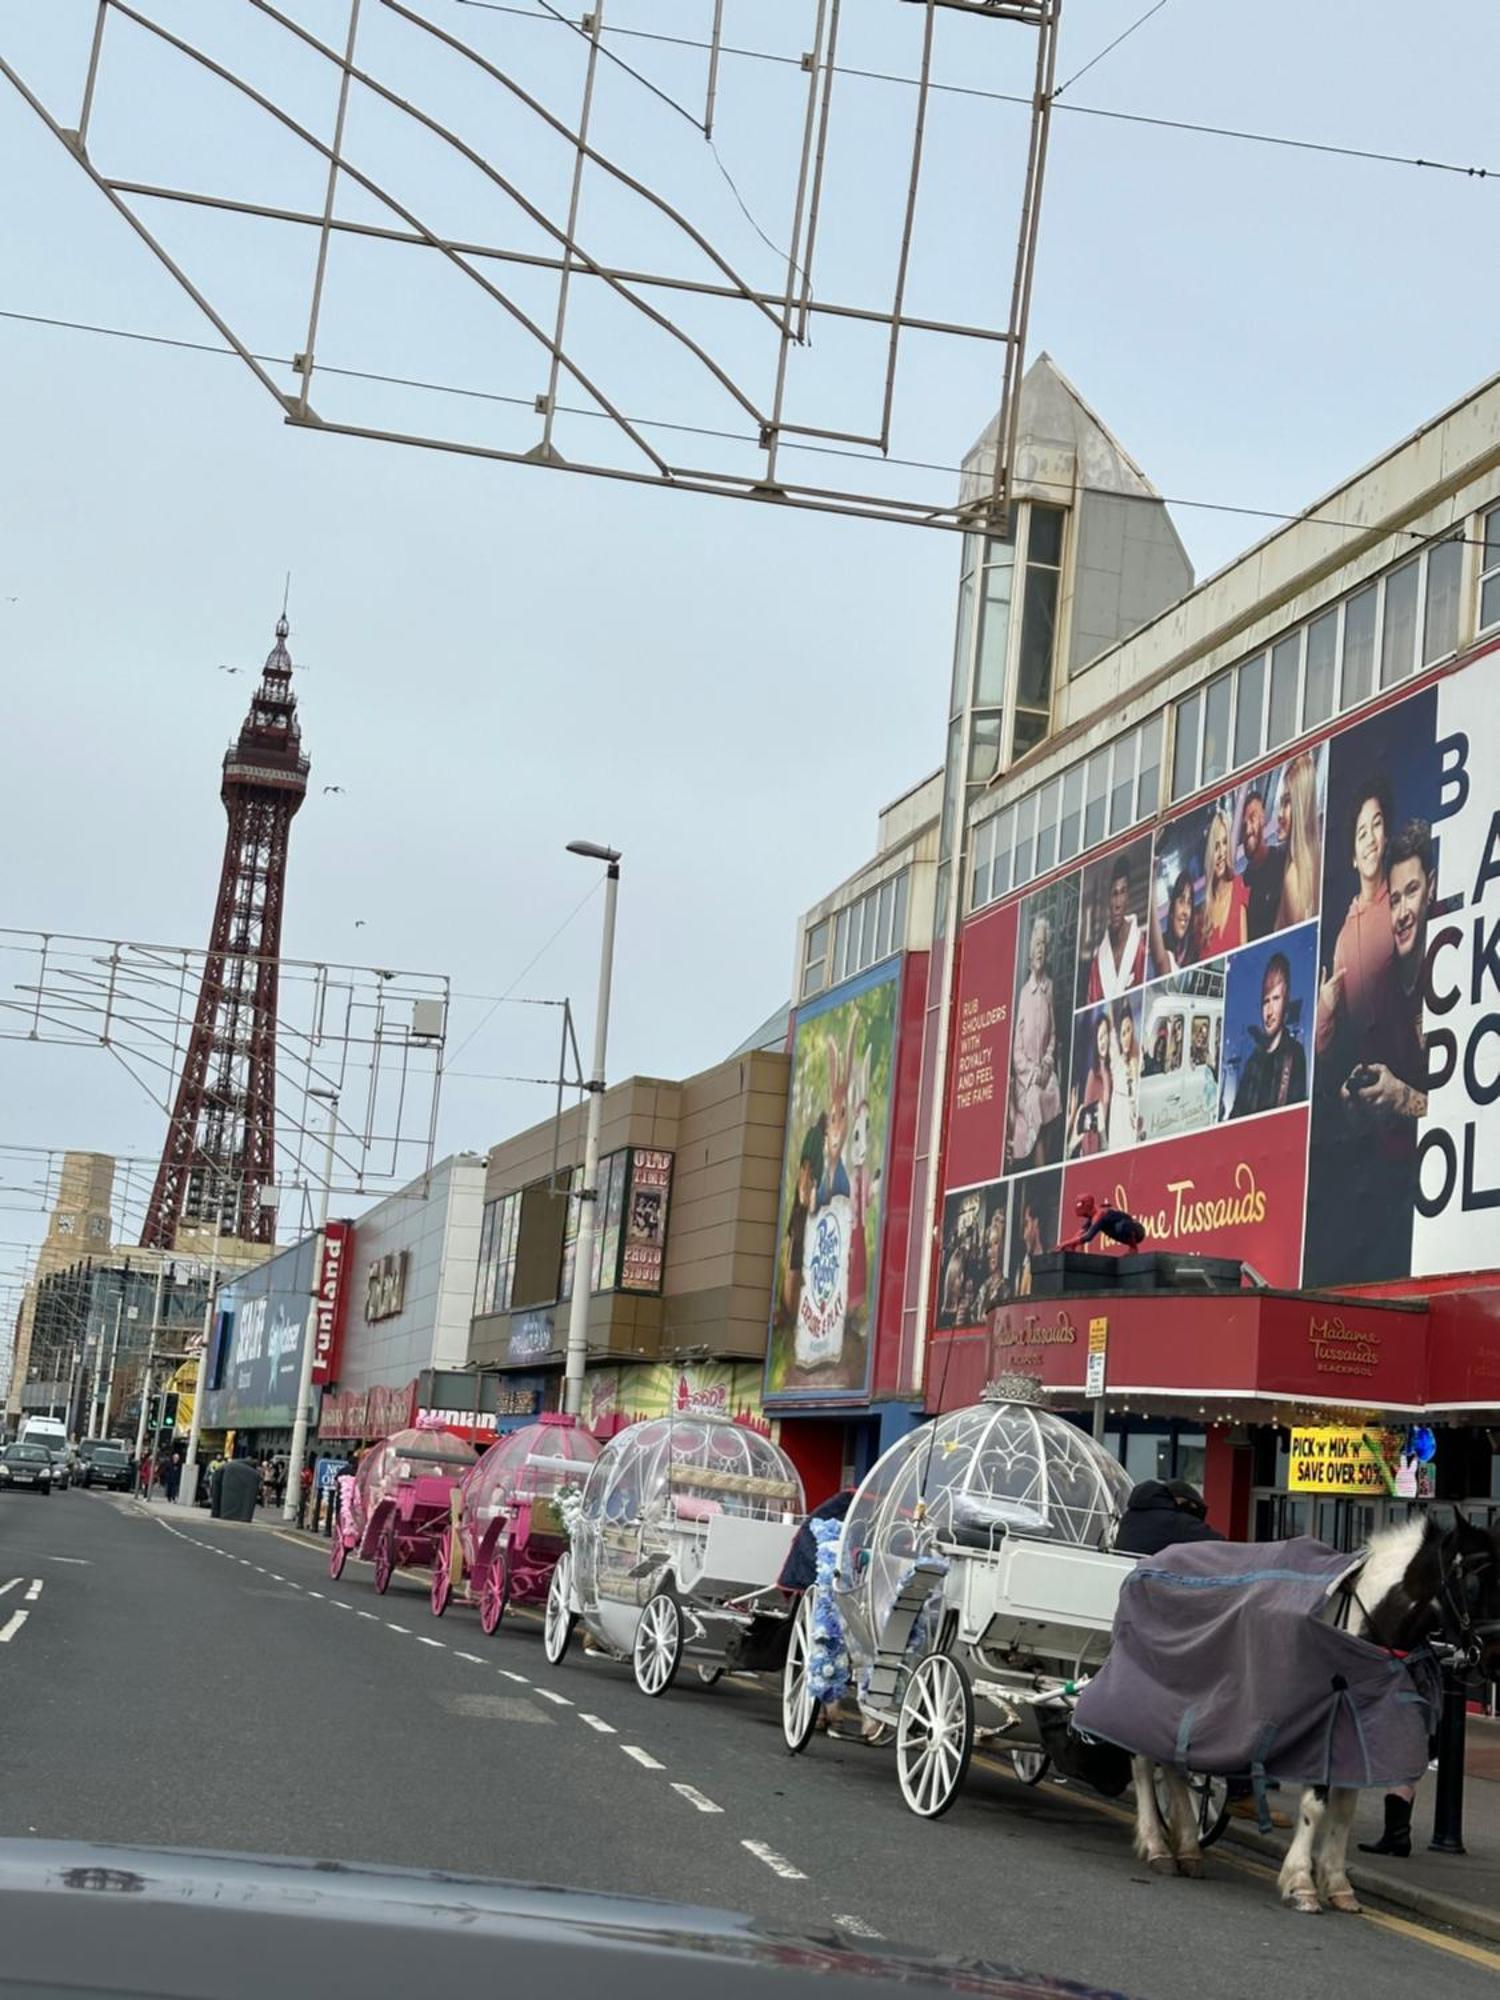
x,y
200,1684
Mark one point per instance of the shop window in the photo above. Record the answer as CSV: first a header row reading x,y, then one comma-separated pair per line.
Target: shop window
x,y
1440,612
1359,647
1249,708
1398,637
1321,670
1185,746
1489,572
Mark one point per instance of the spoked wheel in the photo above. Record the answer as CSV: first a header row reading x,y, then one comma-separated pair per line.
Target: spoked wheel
x,y
658,1644
708,1675
338,1555
1030,1766
557,1626
935,1736
1210,1798
385,1561
442,1579
494,1593
799,1705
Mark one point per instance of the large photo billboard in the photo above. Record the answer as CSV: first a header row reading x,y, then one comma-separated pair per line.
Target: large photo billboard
x,y
1270,1027
832,1192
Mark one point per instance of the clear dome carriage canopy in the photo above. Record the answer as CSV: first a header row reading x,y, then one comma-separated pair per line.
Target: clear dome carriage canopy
x,y
690,1468
537,1462
410,1454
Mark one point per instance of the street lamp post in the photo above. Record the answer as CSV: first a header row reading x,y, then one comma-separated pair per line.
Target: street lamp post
x,y
309,1336
588,1194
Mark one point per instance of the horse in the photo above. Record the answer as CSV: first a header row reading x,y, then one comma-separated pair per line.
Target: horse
x,y
1415,1585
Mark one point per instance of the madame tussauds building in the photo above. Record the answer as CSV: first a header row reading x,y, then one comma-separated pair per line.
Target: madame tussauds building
x,y
1222,951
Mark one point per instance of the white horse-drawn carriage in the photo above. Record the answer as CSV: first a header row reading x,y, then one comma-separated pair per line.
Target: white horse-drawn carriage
x,y
975,1588
684,1526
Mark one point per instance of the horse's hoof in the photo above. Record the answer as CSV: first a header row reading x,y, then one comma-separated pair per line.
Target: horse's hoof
x,y
1305,1903
1161,1864
1191,1865
1347,1901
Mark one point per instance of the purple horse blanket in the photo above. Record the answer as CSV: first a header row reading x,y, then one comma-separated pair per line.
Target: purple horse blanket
x,y
1227,1659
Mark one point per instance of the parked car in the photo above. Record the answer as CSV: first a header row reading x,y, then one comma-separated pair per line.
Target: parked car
x,y
62,1465
109,1465
28,1465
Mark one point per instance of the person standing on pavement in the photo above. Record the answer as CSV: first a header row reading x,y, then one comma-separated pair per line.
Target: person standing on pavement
x,y
172,1477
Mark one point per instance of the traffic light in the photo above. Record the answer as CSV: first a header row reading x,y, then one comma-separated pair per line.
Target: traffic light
x,y
169,1410
153,1416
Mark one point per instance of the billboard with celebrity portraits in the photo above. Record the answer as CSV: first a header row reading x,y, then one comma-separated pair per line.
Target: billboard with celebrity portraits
x,y
1269,1026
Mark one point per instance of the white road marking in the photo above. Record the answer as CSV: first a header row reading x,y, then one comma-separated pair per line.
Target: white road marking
x,y
521,1678
777,1863
277,1577
34,1590
315,1593
12,1626
424,1641
82,1562
339,1604
642,1757
857,1927
369,1614
404,1630
696,1798
9,1586
560,1699
288,1582
470,1656
604,1728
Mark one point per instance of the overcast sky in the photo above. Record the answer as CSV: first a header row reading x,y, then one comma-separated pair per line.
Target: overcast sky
x,y
503,658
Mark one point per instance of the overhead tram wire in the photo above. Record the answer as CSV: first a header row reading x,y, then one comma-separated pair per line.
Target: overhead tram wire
x,y
1009,97
690,430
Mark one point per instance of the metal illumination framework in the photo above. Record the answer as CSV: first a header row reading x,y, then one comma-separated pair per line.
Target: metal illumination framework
x,y
548,261
220,1155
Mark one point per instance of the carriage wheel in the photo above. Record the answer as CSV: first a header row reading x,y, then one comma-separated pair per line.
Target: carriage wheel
x,y
338,1555
557,1627
442,1579
709,1675
385,1560
658,1644
1030,1766
935,1736
799,1705
494,1594
1210,1798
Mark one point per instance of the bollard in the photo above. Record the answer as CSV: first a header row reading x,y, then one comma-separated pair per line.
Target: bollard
x,y
1448,1806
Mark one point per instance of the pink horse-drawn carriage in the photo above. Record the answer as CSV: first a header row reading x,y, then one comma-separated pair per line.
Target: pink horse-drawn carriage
x,y
395,1510
507,1531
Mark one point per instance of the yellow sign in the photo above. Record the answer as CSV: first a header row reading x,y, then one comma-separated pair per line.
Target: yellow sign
x,y
1338,1461
1098,1348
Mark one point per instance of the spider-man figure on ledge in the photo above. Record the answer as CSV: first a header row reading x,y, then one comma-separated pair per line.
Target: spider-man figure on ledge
x,y
1111,1222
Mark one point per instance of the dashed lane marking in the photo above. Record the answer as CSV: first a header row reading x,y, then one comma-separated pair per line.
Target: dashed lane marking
x,y
595,1722
520,1678
12,1626
404,1630
339,1604
642,1757
315,1593
561,1700
369,1614
777,1863
34,1590
423,1640
9,1586
695,1798
470,1656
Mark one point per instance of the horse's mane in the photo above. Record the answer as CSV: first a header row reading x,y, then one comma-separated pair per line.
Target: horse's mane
x,y
1382,1597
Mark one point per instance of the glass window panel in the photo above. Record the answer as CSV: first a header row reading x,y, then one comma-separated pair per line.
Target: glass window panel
x,y
1046,826
994,631
1281,719
817,941
1038,625
1148,784
1044,544
869,912
1489,604
1070,827
1490,558
1122,789
1321,670
1216,708
962,640
1021,869
898,920
883,925
1096,798
1359,647
984,854
1000,875
984,747
1440,618
1185,747
1398,636
1250,701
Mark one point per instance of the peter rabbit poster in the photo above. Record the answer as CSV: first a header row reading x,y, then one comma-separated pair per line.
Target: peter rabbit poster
x,y
832,1188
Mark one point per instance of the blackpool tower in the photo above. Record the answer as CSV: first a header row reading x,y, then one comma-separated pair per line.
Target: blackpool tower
x,y
220,1156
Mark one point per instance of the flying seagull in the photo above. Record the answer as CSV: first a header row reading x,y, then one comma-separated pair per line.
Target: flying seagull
x,y
333,788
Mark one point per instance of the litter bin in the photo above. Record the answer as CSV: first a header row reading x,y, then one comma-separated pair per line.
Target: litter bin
x,y
239,1489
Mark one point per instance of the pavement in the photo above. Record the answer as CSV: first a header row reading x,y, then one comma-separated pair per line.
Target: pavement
x,y
178,1681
